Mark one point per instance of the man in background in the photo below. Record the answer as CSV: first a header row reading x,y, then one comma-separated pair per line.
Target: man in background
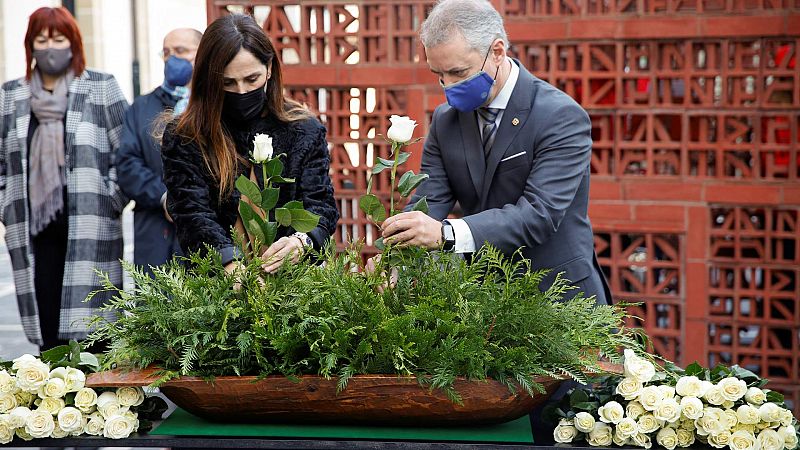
x,y
140,170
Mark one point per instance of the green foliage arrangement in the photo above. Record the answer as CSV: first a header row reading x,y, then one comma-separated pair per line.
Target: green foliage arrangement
x,y
444,319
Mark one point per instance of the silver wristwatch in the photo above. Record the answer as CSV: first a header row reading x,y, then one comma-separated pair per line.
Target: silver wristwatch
x,y
304,238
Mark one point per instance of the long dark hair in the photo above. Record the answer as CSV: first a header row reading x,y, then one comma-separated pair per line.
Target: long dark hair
x,y
201,122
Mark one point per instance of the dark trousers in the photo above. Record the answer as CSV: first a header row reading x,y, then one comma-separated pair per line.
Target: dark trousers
x,y
49,254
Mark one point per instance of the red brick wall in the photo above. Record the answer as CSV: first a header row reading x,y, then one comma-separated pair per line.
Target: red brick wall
x,y
696,113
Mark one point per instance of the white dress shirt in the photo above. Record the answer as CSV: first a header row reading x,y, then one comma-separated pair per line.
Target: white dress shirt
x,y
464,240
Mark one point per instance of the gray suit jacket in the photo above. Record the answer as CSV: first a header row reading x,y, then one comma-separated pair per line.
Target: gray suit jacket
x,y
533,189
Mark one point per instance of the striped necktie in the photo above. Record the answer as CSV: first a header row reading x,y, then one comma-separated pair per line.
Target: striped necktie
x,y
488,126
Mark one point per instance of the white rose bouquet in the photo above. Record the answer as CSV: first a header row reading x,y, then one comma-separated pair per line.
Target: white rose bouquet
x,y
671,407
46,397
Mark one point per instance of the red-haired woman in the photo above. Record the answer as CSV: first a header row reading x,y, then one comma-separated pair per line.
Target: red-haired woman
x,y
59,199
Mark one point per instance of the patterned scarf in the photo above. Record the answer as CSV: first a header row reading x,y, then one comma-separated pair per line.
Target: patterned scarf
x,y
180,94
48,174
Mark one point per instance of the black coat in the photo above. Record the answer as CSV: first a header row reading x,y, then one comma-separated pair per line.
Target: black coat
x,y
140,172
193,198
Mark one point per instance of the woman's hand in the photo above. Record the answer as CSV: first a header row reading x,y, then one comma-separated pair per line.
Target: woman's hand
x,y
289,246
235,266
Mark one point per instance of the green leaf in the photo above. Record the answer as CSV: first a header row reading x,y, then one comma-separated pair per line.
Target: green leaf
x,y
775,397
379,244
694,369
280,179
55,354
304,221
249,189
274,167
269,198
283,216
586,406
249,220
294,204
372,206
403,158
269,230
408,182
744,374
421,205
578,396
254,228
381,165
89,360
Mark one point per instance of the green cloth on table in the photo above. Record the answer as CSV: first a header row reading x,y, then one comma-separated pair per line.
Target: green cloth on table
x,y
181,423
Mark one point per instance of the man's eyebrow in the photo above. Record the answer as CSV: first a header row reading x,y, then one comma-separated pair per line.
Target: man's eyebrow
x,y
453,70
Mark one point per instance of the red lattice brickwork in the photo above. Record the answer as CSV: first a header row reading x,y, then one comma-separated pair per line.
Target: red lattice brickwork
x,y
695,106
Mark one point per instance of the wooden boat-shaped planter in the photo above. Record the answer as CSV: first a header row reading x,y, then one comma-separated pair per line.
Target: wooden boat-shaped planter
x,y
368,399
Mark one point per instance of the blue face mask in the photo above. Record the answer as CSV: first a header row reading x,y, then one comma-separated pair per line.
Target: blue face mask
x,y
469,94
177,71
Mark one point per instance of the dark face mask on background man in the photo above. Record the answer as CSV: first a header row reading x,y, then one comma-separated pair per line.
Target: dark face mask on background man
x,y
245,106
53,61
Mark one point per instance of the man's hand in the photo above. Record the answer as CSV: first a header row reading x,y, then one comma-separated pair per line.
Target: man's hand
x,y
413,228
290,246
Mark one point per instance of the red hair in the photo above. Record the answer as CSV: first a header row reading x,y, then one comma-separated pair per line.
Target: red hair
x,y
55,19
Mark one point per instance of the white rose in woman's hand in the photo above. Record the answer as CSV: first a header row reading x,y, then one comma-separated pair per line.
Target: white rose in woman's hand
x,y
402,129
262,148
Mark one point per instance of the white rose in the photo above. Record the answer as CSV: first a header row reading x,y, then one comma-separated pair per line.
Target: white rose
x,y
601,435
642,440
690,386
24,398
130,396
668,410
755,396
733,419
51,405
634,410
713,421
7,402
133,417
691,407
584,422
732,388
647,423
402,129
22,360
620,439
40,424
770,440
59,433
6,432
685,437
565,432
262,148
744,427
649,397
627,427
31,374
667,438
70,419
18,416
714,395
54,387
770,412
629,388
667,391
742,440
638,368
95,425
75,379
787,418
118,427
720,440
611,412
22,434
7,383
789,436
85,399
108,405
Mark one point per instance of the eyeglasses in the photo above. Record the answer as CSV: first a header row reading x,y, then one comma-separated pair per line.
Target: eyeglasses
x,y
177,51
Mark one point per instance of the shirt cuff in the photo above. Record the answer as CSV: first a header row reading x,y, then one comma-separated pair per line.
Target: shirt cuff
x,y
228,254
465,243
163,200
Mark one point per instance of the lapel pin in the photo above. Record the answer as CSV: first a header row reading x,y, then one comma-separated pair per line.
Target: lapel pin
x,y
515,122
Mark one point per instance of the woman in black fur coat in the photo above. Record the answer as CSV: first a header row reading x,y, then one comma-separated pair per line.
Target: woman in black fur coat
x,y
237,93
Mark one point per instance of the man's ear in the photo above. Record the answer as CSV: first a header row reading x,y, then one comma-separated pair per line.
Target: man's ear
x,y
498,51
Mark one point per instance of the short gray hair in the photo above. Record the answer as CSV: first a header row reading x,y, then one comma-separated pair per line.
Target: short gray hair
x,y
476,20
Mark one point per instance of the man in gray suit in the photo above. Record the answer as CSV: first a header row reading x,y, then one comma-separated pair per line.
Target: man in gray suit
x,y
511,149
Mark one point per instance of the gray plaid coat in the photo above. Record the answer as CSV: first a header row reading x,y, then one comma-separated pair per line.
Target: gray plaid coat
x,y
93,126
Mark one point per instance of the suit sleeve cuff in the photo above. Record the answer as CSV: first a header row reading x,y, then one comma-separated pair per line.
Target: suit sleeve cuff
x,y
228,254
465,243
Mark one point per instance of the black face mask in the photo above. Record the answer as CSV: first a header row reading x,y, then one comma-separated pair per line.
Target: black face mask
x,y
245,106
